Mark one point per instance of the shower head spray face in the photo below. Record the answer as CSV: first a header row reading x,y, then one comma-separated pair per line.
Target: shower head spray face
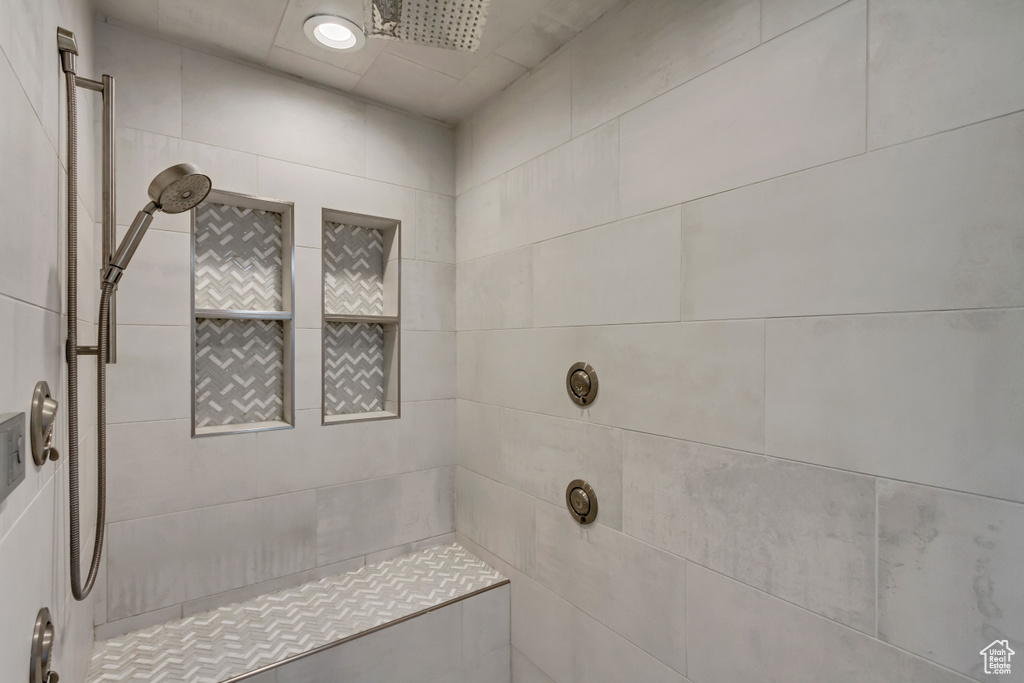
x,y
179,188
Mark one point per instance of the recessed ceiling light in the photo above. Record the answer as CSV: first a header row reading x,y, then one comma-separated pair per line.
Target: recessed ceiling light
x,y
334,33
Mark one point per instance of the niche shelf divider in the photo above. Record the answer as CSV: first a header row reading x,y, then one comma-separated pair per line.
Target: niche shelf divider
x,y
361,349
243,303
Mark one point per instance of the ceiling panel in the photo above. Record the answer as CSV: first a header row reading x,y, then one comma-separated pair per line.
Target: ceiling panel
x,y
444,84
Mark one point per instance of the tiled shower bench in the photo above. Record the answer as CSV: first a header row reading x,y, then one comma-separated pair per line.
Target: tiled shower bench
x,y
437,615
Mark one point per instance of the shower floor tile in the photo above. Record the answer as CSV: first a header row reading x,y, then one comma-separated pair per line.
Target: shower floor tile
x,y
238,639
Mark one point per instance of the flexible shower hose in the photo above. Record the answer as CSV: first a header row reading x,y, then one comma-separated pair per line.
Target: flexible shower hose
x,y
79,591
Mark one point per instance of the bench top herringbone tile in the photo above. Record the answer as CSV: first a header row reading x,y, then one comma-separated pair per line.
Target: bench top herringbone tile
x,y
237,639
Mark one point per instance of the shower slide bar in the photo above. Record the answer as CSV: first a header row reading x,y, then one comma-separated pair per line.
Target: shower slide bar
x,y
68,47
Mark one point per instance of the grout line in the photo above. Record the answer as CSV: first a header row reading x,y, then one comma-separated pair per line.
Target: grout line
x,y
867,76
878,532
746,452
712,321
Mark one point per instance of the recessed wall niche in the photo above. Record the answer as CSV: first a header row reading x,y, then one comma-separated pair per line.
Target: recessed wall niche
x,y
242,315
361,329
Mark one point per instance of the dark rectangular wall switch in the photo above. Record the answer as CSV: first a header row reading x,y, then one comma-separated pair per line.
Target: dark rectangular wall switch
x,y
13,452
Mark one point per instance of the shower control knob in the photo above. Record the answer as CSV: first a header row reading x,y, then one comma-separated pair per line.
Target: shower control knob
x,y
581,501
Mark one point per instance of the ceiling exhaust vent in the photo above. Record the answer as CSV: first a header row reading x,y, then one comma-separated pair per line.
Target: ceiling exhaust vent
x,y
451,24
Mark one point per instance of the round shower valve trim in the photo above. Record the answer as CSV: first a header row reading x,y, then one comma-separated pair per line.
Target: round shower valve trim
x,y
581,383
581,501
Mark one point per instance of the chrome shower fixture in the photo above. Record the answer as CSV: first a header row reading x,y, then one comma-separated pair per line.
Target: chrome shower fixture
x,y
175,190
451,24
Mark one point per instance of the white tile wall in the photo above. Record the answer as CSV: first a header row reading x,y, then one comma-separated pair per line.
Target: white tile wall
x,y
943,553
919,85
794,103
846,180
805,534
929,397
649,47
269,136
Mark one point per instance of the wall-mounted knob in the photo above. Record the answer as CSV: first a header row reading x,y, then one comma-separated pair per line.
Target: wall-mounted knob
x,y
43,416
581,383
581,501
43,638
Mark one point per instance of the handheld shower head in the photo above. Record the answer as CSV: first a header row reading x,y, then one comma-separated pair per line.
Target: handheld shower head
x,y
179,188
175,190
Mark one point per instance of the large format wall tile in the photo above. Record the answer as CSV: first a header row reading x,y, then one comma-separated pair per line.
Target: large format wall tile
x,y
314,189
478,229
151,378
921,84
803,533
626,272
428,365
478,437
779,16
793,103
311,456
147,76
227,104
768,639
522,369
648,47
155,289
435,229
497,517
358,518
142,155
160,561
635,589
496,291
525,121
540,455
409,151
949,573
156,468
933,224
702,382
929,397
572,187
428,297
28,193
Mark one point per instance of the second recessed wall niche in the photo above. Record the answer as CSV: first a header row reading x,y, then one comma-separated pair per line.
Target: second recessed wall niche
x,y
361,330
242,303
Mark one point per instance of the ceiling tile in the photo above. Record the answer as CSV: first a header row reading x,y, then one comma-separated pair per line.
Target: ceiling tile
x,y
244,27
310,69
290,35
455,63
401,83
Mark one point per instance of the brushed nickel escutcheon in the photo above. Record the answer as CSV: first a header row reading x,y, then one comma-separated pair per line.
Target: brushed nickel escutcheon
x,y
44,412
43,638
581,501
581,383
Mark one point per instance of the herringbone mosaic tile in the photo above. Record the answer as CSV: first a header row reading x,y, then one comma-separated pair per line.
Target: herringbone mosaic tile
x,y
238,258
353,368
239,371
353,270
236,639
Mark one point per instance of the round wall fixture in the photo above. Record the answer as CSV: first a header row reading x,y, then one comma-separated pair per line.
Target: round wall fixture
x,y
581,501
334,33
581,383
